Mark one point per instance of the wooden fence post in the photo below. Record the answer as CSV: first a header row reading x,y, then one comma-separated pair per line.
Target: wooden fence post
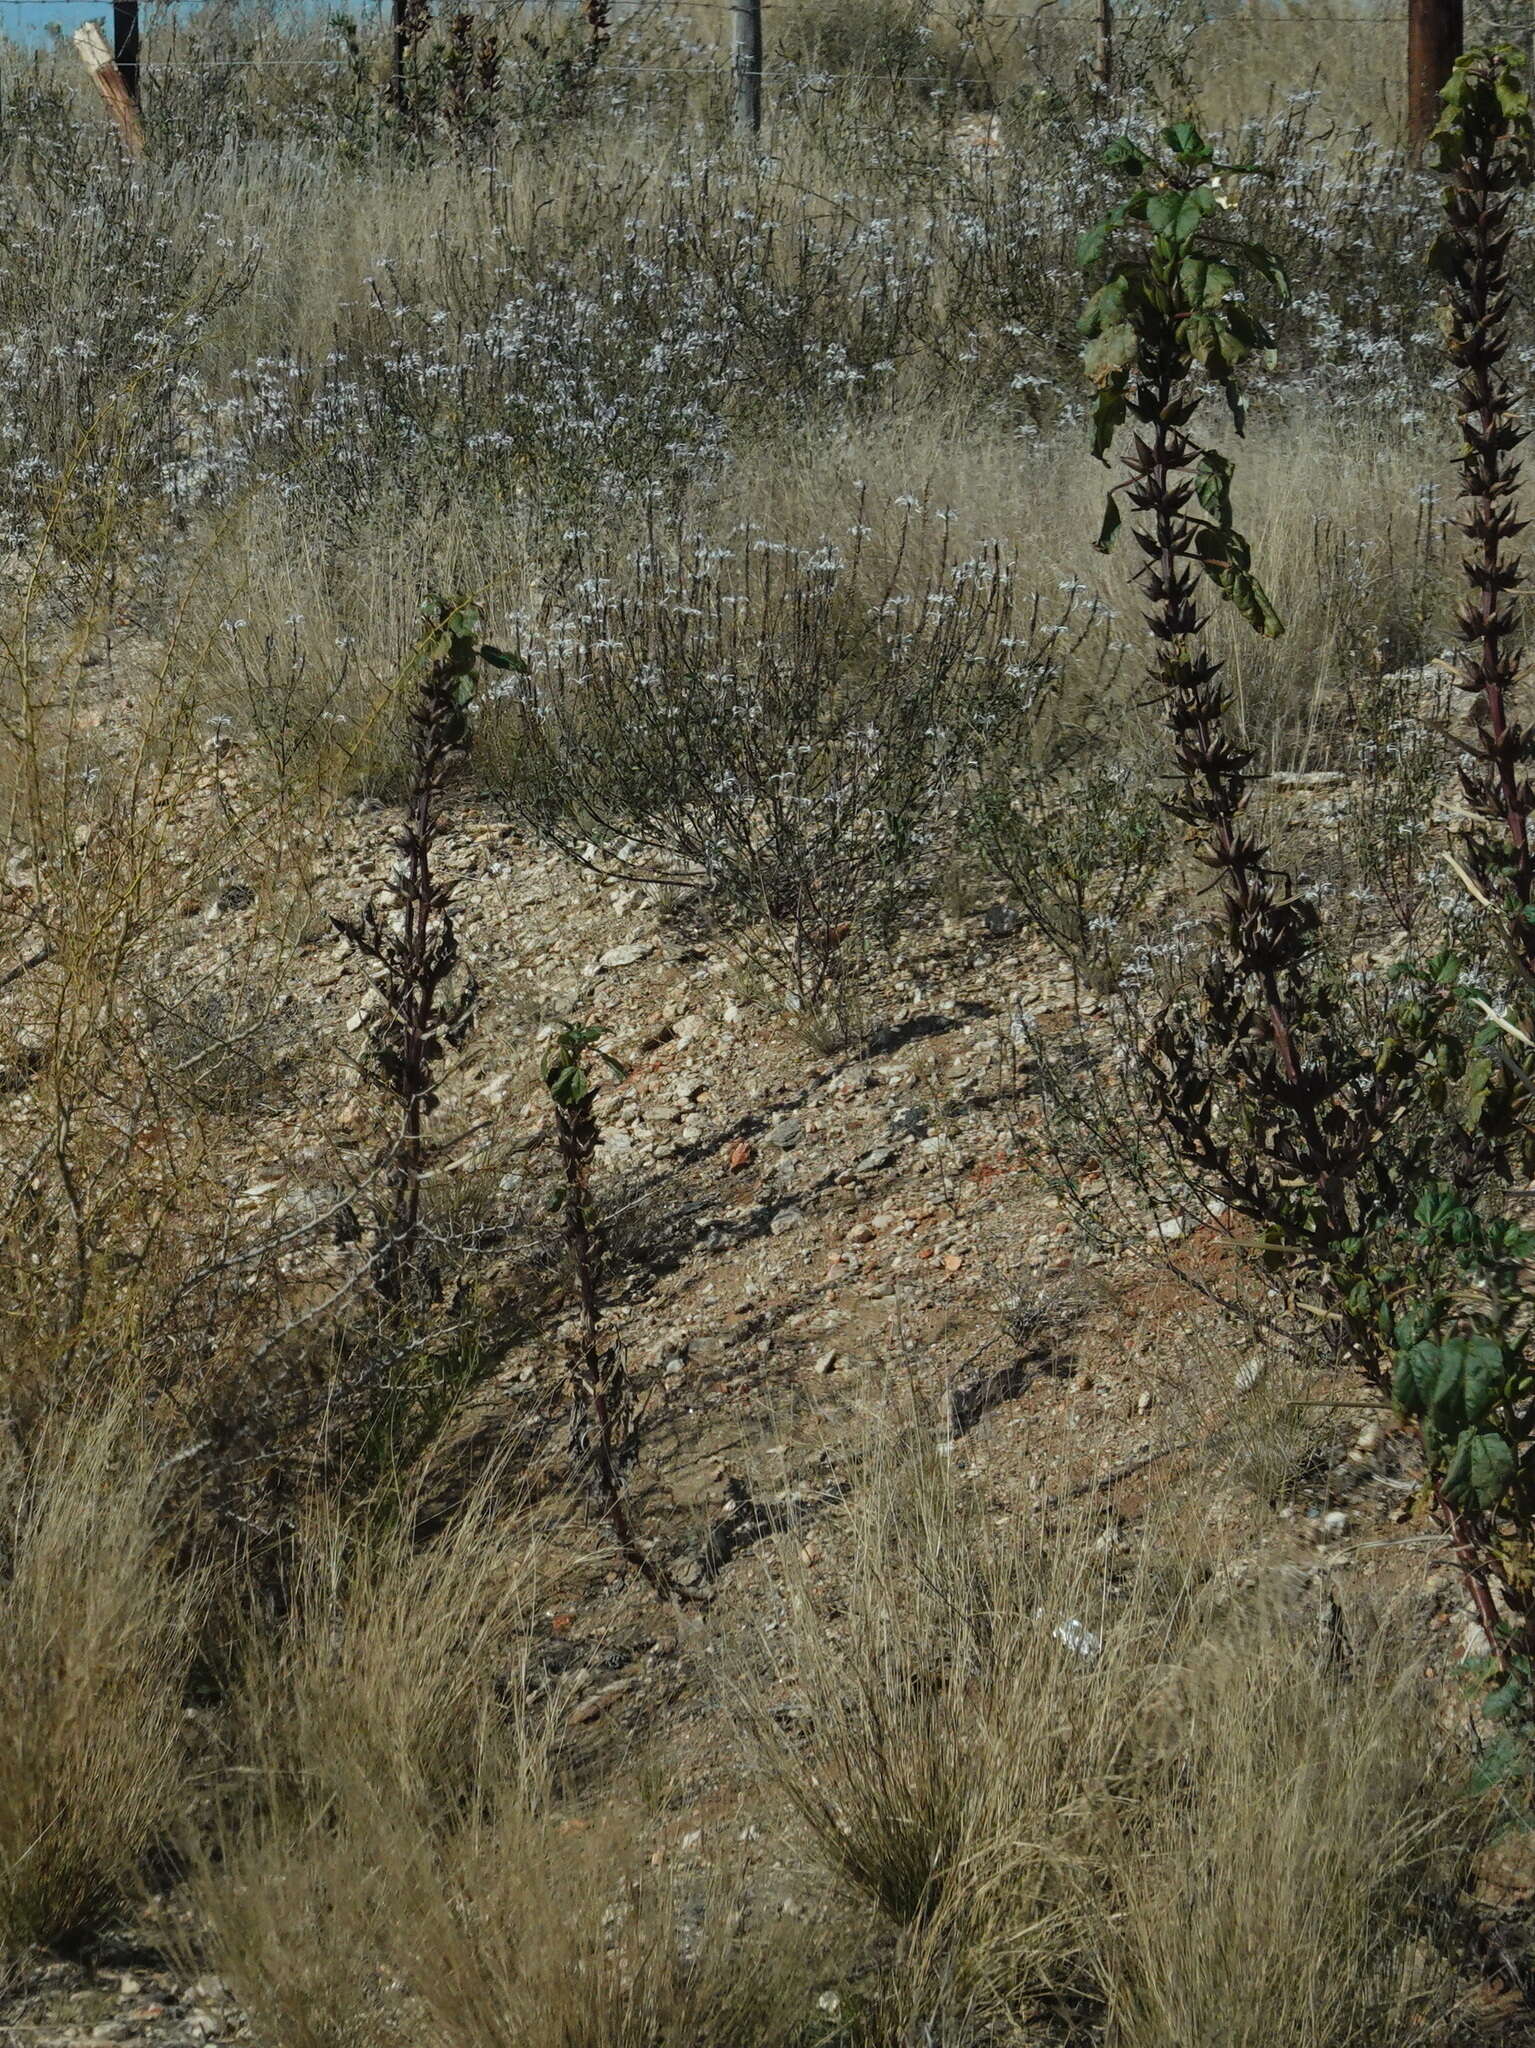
x,y
1435,32
746,62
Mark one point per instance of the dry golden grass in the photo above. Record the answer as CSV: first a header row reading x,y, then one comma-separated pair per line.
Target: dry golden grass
x,y
98,1633
1083,1777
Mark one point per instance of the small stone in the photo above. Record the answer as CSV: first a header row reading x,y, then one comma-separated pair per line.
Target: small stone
x,y
861,1233
1001,920
786,1220
235,896
1171,1228
827,1362
1335,1524
597,1703
740,1155
1143,1401
1370,1438
908,1123
627,956
876,1160
787,1134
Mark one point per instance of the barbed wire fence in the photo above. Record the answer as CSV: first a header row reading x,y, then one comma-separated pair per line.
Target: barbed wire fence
x,y
117,61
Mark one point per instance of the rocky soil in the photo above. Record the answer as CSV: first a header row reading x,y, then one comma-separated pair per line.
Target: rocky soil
x,y
804,1242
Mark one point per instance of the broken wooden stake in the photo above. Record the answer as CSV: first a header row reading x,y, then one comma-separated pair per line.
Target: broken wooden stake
x,y
99,62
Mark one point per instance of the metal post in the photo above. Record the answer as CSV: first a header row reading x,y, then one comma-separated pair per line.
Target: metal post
x,y
125,44
1435,33
1103,53
746,62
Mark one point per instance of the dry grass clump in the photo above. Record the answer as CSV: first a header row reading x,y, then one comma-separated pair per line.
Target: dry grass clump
x,y
98,1632
1291,1855
403,1857
1090,1789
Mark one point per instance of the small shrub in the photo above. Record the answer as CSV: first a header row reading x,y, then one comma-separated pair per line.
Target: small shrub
x,y
410,944
757,722
1080,844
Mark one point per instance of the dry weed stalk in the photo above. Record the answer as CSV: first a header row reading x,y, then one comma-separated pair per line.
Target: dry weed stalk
x,y
603,1435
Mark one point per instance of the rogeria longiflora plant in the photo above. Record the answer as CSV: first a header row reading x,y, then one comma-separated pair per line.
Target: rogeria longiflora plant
x,y
1261,1087
1375,1162
604,1436
406,936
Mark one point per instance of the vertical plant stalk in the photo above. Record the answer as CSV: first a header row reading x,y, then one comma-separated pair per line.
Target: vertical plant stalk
x,y
599,29
603,1437
1262,1048
1484,141
407,937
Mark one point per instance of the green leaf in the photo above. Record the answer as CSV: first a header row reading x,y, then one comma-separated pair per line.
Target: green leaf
x,y
1484,1373
1212,485
499,657
1413,1381
1186,143
1121,154
1091,245
1205,282
1256,258
1480,1470
1506,1701
1106,307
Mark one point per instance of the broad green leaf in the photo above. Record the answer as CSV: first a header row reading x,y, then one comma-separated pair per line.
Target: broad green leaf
x,y
1412,1383
1106,307
1480,1470
1205,282
1091,244
1265,263
1186,143
1484,1371
1212,485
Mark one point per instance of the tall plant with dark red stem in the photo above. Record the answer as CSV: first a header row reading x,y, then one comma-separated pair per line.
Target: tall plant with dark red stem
x,y
1486,144
602,1419
1258,1087
406,934
1371,1157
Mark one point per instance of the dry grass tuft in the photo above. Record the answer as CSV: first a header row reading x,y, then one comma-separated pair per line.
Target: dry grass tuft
x,y
1087,1785
98,1635
402,1863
